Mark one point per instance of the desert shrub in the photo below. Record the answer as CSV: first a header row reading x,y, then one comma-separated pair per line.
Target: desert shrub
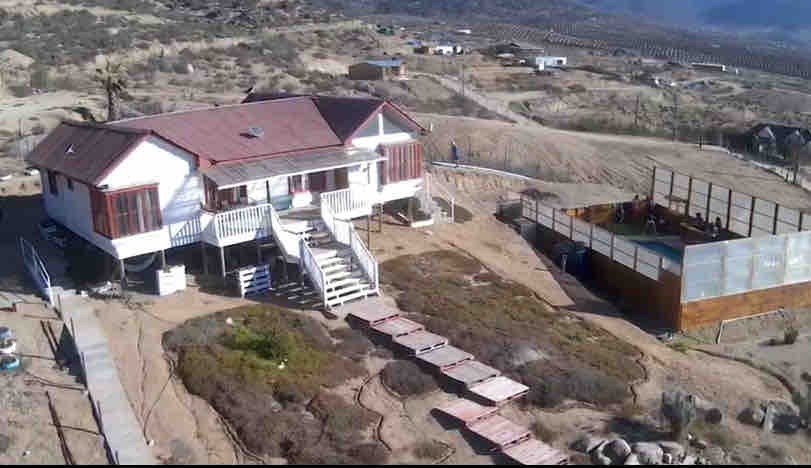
x,y
282,410
790,336
407,379
543,432
550,386
429,450
353,343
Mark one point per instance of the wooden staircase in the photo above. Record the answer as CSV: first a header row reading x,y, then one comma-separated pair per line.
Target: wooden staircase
x,y
345,280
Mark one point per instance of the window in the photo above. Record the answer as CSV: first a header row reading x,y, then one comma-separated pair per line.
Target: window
x,y
52,185
126,212
296,184
70,183
317,181
403,162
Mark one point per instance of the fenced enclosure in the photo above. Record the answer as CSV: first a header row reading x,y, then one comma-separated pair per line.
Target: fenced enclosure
x,y
743,265
740,213
630,254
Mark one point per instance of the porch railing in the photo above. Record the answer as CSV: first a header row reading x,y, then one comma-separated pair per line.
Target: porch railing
x,y
285,239
347,203
343,231
252,222
308,263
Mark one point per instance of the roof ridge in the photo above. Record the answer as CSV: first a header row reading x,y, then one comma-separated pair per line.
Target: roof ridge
x,y
106,126
211,108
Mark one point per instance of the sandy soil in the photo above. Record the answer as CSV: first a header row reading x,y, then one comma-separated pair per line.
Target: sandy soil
x,y
621,161
27,421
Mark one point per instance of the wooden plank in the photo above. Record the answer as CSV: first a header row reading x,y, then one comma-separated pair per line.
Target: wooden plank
x,y
499,390
698,314
397,326
421,342
535,452
500,431
466,411
470,373
445,357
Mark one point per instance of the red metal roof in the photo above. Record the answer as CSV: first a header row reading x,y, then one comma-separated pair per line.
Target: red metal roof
x,y
221,133
84,151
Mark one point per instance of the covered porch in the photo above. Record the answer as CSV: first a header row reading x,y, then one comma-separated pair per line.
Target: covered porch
x,y
281,197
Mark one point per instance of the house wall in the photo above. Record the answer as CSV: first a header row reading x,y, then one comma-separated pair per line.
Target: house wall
x,y
710,312
180,194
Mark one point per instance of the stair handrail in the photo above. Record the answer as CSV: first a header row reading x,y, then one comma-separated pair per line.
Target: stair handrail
x,y
343,231
309,264
284,238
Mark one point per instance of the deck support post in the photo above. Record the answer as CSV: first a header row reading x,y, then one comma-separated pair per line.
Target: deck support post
x,y
163,259
380,218
258,252
123,272
369,231
222,262
205,260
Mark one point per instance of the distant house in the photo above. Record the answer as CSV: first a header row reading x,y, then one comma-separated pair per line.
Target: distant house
x,y
773,140
543,62
715,67
448,50
378,70
522,50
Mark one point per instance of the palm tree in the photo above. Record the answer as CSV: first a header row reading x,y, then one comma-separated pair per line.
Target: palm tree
x,y
112,77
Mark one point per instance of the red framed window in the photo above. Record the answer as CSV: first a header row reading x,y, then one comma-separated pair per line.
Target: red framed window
x,y
403,162
52,183
296,184
126,212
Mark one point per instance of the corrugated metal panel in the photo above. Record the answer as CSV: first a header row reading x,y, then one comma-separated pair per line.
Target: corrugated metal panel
x,y
225,175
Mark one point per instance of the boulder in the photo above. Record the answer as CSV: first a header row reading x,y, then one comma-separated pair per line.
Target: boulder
x,y
586,443
673,448
649,453
754,413
784,419
617,450
713,416
632,459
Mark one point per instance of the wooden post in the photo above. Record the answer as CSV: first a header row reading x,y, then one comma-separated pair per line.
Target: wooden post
x,y
670,195
751,216
380,218
689,195
258,253
800,229
205,260
729,209
163,259
776,213
123,273
222,261
653,184
369,231
709,200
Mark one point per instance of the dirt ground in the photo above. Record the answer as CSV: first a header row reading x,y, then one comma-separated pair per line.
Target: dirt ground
x,y
621,161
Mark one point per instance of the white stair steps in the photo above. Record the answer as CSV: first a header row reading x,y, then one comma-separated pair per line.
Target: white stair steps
x,y
362,294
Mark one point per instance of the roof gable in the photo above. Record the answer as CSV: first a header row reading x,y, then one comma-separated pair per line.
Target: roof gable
x,y
84,151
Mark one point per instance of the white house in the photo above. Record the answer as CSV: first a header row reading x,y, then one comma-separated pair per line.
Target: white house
x,y
549,62
291,169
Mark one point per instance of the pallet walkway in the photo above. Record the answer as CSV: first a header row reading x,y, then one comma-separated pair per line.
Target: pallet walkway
x,y
478,379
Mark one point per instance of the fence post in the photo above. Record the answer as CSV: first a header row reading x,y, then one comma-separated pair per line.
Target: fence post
x,y
553,220
670,195
661,267
709,201
689,195
800,229
571,227
776,214
729,208
636,258
611,250
751,216
591,235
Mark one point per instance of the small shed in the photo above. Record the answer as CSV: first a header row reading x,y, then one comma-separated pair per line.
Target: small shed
x,y
549,62
378,70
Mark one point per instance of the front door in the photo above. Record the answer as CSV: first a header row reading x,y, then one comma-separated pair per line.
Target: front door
x,y
341,178
317,182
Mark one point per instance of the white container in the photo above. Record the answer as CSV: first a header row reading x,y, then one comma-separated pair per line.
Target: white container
x,y
171,280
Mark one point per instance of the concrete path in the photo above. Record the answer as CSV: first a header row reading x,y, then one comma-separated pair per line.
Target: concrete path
x,y
121,428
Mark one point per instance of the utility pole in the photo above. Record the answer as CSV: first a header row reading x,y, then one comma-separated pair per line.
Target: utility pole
x,y
675,115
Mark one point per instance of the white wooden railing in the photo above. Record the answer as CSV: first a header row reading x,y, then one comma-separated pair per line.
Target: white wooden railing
x,y
347,203
343,231
308,263
36,268
285,239
243,224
